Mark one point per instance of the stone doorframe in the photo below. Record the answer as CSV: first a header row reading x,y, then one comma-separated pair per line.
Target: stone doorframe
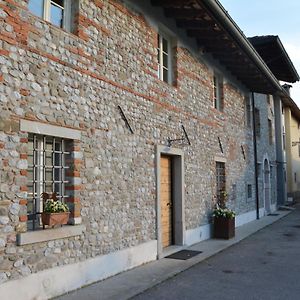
x,y
266,185
178,196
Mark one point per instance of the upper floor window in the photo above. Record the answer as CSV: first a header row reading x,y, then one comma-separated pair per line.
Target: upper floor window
x,y
218,92
248,111
270,129
257,122
164,58
58,12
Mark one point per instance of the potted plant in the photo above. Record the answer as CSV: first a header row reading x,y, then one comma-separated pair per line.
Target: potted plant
x,y
55,212
223,219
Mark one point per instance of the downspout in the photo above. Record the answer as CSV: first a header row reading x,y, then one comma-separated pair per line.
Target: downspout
x,y
255,156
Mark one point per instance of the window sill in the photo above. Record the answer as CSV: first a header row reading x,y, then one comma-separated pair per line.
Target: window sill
x,y
40,236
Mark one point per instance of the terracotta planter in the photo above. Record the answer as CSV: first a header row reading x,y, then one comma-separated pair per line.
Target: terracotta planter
x,y
224,228
52,219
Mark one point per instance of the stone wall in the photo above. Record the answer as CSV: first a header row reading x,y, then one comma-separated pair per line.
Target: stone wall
x,y
265,149
77,81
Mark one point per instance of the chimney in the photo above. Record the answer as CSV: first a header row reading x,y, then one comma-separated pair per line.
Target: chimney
x,y
287,88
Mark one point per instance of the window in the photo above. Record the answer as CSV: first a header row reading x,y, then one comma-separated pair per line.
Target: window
x,y
248,111
295,176
164,58
220,182
249,191
257,122
270,129
47,157
218,92
58,12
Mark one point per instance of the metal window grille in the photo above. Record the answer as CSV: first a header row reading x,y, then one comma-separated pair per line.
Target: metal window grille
x,y
220,181
257,122
249,191
46,174
270,132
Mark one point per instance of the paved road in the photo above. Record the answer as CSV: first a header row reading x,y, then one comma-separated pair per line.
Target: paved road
x,y
263,266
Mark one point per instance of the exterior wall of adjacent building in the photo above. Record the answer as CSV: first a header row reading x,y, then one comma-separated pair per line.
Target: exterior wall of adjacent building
x,y
293,154
280,138
266,153
72,85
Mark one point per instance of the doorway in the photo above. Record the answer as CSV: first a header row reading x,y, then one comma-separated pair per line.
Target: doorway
x,y
166,200
170,199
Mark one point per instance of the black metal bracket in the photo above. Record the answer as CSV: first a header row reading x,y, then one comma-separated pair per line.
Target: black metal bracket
x,y
185,137
220,145
125,119
295,143
243,152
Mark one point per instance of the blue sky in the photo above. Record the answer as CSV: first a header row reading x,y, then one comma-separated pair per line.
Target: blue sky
x,y
271,17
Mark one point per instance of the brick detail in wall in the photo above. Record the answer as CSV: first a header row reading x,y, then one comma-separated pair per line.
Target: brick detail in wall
x,y
74,187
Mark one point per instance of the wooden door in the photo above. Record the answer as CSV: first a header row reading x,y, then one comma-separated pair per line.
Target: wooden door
x,y
166,200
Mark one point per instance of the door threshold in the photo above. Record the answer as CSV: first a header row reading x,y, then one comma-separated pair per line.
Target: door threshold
x,y
170,250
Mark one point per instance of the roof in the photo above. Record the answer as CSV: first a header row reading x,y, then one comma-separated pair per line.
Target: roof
x,y
273,53
217,34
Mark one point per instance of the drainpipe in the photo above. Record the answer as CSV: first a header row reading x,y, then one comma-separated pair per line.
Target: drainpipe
x,y
255,156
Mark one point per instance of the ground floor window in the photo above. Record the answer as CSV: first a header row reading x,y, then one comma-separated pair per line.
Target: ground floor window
x,y
47,166
220,182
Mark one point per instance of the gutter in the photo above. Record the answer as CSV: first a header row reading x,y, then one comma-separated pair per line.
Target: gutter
x,y
221,15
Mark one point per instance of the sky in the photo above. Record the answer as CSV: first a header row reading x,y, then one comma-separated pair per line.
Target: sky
x,y
271,17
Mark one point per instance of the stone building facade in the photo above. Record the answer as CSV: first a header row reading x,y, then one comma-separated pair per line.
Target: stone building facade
x,y
95,93
266,152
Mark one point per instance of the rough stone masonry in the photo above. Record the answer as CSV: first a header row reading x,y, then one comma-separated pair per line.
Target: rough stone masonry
x,y
77,80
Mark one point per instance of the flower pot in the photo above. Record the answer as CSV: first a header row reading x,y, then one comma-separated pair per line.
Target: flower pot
x,y
52,219
224,228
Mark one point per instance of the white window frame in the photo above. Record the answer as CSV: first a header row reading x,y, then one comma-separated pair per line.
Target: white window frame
x,y
66,13
160,52
218,92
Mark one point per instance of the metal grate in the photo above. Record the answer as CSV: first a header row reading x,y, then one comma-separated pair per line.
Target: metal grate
x,y
46,173
184,254
220,181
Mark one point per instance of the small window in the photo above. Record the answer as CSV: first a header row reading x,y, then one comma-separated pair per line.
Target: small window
x,y
60,13
47,166
248,111
164,58
270,129
249,191
257,122
218,92
295,177
220,182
